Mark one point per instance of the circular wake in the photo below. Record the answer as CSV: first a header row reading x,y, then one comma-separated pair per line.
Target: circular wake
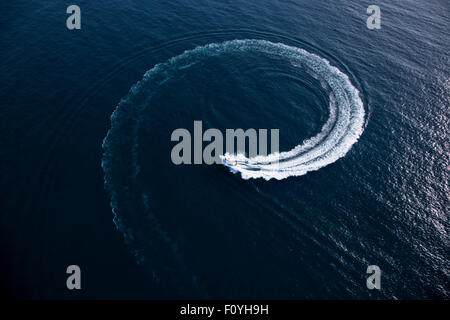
x,y
143,182
342,129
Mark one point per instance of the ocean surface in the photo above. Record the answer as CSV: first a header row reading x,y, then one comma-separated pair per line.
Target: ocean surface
x,y
86,176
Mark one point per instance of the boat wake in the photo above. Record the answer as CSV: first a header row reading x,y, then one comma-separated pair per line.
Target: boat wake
x,y
342,129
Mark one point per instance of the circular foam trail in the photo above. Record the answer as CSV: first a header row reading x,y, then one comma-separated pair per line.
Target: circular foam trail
x,y
342,129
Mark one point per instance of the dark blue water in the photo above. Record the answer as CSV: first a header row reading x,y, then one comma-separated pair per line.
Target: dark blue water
x,y
141,227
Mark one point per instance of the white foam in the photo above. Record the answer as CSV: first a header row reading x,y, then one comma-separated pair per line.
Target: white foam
x,y
343,128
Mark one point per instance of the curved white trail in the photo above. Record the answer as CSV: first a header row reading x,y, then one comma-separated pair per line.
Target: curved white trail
x,y
342,129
